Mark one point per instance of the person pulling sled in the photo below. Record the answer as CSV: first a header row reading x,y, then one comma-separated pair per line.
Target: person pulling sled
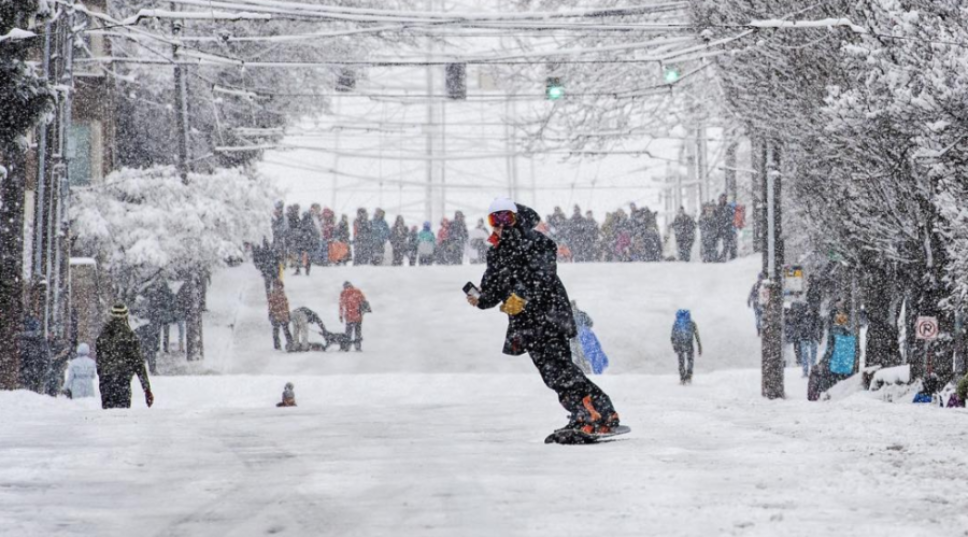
x,y
522,277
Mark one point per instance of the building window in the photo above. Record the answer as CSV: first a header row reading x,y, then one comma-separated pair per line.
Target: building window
x,y
79,152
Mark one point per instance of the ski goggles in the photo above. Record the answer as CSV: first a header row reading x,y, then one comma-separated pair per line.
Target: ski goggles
x,y
502,219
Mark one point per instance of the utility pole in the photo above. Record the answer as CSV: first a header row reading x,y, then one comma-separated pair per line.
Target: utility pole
x,y
194,339
772,286
429,202
41,229
181,99
758,150
731,190
60,269
443,159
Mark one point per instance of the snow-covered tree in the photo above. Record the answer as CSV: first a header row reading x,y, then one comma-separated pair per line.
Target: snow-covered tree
x,y
147,225
871,121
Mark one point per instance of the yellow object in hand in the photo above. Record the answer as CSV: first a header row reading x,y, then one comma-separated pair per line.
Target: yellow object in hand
x,y
513,305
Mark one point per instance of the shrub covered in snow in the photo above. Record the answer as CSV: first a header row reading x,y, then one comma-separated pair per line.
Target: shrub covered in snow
x,y
147,224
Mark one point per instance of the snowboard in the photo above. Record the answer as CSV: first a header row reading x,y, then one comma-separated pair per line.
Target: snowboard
x,y
571,436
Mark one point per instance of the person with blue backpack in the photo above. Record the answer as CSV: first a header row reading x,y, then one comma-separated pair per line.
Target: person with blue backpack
x,y
839,359
684,331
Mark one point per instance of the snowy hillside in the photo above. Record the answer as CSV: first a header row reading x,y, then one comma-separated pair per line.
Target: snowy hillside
x,y
421,323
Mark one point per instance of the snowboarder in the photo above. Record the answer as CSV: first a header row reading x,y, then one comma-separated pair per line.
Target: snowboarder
x,y
80,374
288,396
279,314
685,229
118,359
521,275
684,330
352,306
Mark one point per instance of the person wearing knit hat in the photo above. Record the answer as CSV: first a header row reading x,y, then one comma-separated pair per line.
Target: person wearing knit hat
x,y
80,374
288,396
119,359
521,277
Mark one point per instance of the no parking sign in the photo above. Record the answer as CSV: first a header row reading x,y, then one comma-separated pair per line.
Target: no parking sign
x,y
926,328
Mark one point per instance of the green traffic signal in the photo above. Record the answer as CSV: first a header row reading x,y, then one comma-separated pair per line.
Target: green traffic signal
x,y
671,74
554,89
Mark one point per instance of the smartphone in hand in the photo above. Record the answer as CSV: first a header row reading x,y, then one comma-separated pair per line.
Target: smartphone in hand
x,y
471,290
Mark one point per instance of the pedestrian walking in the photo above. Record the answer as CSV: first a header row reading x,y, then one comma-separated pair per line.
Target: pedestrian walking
x,y
684,331
81,371
119,359
753,301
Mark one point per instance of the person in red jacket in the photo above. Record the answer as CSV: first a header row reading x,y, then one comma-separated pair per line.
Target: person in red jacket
x,y
352,305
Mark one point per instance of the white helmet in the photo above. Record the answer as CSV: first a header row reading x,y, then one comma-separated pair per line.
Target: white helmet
x,y
501,205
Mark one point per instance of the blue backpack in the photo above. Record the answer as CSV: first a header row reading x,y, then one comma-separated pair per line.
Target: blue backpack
x,y
842,359
682,329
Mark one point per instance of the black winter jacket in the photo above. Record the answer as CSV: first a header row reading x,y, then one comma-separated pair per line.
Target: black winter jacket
x,y
119,353
524,262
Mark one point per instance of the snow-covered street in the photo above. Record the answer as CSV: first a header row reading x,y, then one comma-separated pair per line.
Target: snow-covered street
x,y
463,455
436,433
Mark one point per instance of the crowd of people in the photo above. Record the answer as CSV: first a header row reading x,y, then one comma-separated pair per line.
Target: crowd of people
x,y
315,237
301,239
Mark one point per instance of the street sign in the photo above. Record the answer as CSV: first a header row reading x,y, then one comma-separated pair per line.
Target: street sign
x,y
926,328
793,280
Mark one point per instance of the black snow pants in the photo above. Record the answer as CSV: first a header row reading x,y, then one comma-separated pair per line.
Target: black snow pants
x,y
685,362
580,396
115,391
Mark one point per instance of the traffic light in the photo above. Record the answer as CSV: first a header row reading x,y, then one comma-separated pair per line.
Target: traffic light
x,y
554,89
671,74
457,81
346,80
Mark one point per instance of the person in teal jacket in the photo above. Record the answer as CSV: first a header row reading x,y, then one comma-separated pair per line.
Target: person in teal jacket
x,y
426,245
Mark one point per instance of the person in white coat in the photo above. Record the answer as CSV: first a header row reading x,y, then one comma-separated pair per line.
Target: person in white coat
x,y
80,374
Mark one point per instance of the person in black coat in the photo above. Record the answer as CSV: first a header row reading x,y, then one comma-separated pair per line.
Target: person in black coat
x,y
522,274
685,229
119,359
